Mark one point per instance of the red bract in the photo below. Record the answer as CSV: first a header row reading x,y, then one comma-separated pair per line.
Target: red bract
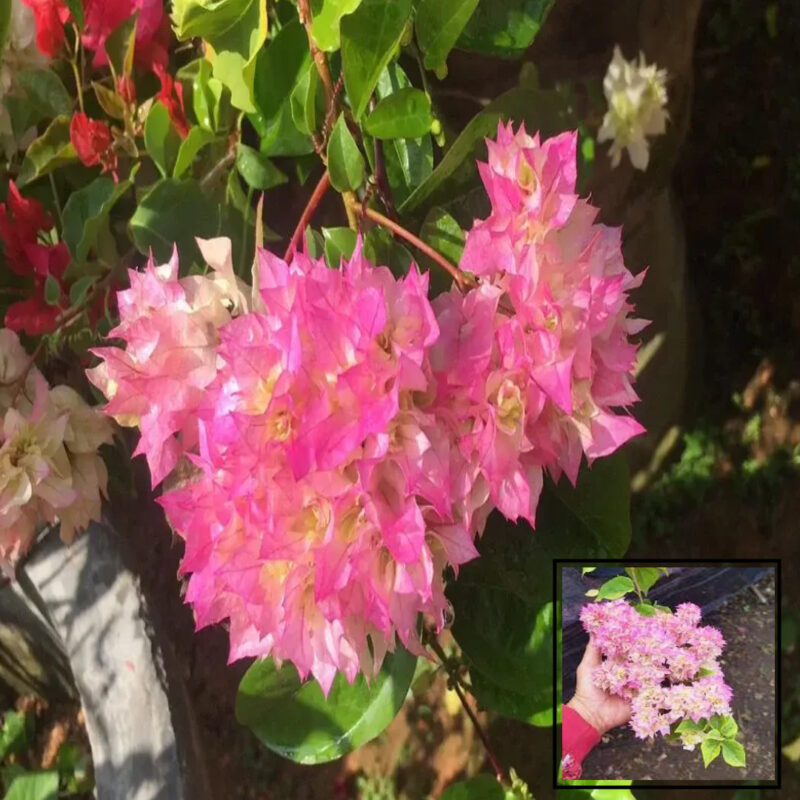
x,y
50,16
171,95
103,16
91,139
21,221
126,89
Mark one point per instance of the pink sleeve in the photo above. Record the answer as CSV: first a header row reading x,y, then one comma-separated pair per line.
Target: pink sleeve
x,y
578,737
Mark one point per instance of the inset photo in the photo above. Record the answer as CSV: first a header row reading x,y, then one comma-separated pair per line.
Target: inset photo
x,y
668,672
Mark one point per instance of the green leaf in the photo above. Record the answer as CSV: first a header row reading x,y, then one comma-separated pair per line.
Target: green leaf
x,y
315,244
383,250
615,588
174,211
409,162
308,101
120,46
406,114
438,24
296,721
52,291
109,101
339,243
53,149
702,673
16,733
584,570
592,593
161,140
325,24
505,28
80,289
76,10
688,726
540,110
728,728
279,67
206,95
345,162
45,92
644,576
206,18
194,142
599,505
665,609
34,786
256,169
532,707
710,750
370,36
443,234
733,753
86,211
645,609
233,53
481,787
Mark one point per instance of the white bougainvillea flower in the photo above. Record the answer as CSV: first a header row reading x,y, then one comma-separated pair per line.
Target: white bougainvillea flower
x,y
636,93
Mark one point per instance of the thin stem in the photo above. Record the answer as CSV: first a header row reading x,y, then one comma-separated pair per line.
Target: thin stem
x,y
308,212
462,280
321,62
75,71
636,586
454,680
244,230
218,169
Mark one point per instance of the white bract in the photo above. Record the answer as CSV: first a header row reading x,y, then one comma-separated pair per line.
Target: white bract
x,y
637,96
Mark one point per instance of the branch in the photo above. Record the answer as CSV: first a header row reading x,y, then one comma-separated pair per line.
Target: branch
x,y
321,62
454,681
308,212
218,169
463,281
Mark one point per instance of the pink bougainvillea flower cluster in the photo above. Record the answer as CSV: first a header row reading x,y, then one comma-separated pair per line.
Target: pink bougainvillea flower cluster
x,y
49,465
531,364
333,440
666,665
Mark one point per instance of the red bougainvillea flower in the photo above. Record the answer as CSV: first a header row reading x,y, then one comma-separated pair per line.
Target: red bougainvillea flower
x,y
91,139
171,95
50,16
21,221
103,16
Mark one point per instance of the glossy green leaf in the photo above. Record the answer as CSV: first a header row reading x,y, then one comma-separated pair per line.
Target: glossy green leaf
x,y
733,753
161,140
50,151
279,67
644,577
195,141
481,787
233,53
615,588
438,24
444,234
599,505
206,18
308,101
34,786
645,609
206,93
505,27
370,36
539,109
345,162
315,244
409,162
728,727
406,114
174,212
256,169
45,92
120,45
86,211
382,249
298,722
710,749
585,570
339,244
326,16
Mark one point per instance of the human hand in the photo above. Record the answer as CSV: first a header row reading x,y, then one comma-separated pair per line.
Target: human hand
x,y
601,710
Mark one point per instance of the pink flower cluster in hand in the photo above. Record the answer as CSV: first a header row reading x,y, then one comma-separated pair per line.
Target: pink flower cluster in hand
x,y
338,440
532,363
666,665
